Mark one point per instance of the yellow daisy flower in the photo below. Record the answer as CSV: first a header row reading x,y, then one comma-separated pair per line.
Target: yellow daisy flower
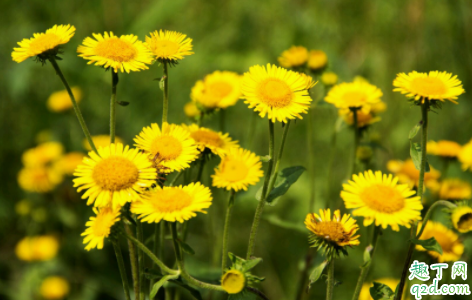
x,y
68,163
378,197
317,60
444,148
60,101
434,85
329,78
233,281
99,227
277,92
39,179
115,176
455,189
171,149
37,248
205,138
461,218
219,89
238,169
446,238
169,45
191,110
294,57
465,156
54,288
42,154
173,203
125,53
363,119
102,140
356,94
43,45
408,174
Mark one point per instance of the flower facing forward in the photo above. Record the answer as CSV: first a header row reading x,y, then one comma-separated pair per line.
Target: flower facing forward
x,y
114,176
448,240
60,101
43,45
461,218
172,203
434,85
233,281
465,156
54,288
99,227
446,149
294,57
332,235
359,94
378,197
317,60
125,53
408,174
238,169
169,45
455,189
216,142
170,148
276,92
219,89
37,248
102,140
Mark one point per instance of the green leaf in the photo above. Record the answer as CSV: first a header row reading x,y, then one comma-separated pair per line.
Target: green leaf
x,y
265,158
367,256
152,273
251,263
185,247
316,273
414,131
381,291
430,244
285,179
415,153
194,292
123,103
275,220
160,283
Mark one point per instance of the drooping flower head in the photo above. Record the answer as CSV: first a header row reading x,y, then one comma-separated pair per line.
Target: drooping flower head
x,y
408,174
238,169
378,197
102,140
37,248
317,60
43,45
446,149
449,241
99,227
238,276
173,203
169,45
170,148
465,156
219,89
359,94
54,288
125,53
205,138
60,101
114,176
276,92
461,218
295,56
455,189
233,281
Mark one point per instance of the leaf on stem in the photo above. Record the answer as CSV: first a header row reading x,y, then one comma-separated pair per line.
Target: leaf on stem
x,y
284,181
123,103
160,283
317,271
415,148
185,247
430,244
381,291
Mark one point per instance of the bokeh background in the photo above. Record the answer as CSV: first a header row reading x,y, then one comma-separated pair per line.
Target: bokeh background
x,y
374,39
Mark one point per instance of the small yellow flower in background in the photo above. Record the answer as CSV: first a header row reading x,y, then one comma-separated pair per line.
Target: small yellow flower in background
x,y
329,78
125,53
448,240
54,288
408,174
356,94
276,92
115,176
295,56
434,85
37,248
170,148
23,207
43,45
173,203
390,282
191,110
60,101
455,189
378,107
205,138
42,154
378,197
233,281
39,179
465,156
317,60
68,163
238,169
444,148
219,89
169,45
461,218
363,119
102,140
99,227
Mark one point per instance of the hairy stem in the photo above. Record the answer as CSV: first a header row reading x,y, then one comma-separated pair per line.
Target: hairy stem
x,y
430,211
357,137
229,211
121,267
330,286
134,261
165,105
114,83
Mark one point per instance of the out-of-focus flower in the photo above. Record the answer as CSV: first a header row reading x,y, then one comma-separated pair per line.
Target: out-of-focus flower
x,y
446,238
407,173
455,189
461,218
37,248
68,163
60,101
295,56
54,288
465,156
191,110
219,89
363,119
449,149
39,179
43,154
317,60
357,94
329,78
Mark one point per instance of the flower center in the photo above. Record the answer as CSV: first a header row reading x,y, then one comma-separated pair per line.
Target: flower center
x,y
219,89
330,230
103,223
165,48
465,221
274,92
115,173
354,98
383,198
207,138
166,148
234,170
233,282
44,42
170,200
116,49
428,86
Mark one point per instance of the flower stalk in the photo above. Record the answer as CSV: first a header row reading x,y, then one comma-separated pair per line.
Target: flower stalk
x,y
357,137
114,83
330,286
229,211
121,267
165,78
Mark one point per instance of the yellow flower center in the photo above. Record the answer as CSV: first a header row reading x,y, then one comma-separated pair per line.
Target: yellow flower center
x,y
330,230
115,173
219,89
103,223
44,42
465,222
116,49
233,281
207,138
164,48
170,200
275,92
428,86
234,170
354,98
166,148
383,198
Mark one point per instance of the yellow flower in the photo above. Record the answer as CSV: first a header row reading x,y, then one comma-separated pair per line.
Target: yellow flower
x,y
60,101
115,176
23,207
205,138
37,248
407,173
43,45
356,94
219,89
99,227
42,154
378,197
54,288
125,53
238,169
434,85
169,45
233,281
378,107
465,156
455,189
39,179
317,60
390,282
363,119
444,148
294,57
447,239
191,110
277,92
68,163
102,140
461,217
329,78
173,203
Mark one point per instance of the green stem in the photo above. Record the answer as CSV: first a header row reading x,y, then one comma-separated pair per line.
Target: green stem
x,y
114,83
311,162
229,211
140,237
332,155
121,267
222,120
330,287
279,158
174,180
162,235
77,111
134,261
357,137
165,107
201,166
430,212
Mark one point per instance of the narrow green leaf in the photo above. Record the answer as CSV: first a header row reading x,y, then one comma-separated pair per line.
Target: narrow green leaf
x,y
251,263
430,244
185,247
275,220
152,273
265,158
414,131
123,103
367,256
381,291
259,194
415,153
284,181
317,271
194,292
160,283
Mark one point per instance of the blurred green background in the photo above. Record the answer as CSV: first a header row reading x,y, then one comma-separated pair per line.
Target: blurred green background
x,y
374,39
